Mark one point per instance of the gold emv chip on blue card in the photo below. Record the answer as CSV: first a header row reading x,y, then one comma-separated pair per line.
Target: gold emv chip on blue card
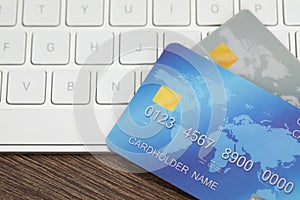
x,y
167,98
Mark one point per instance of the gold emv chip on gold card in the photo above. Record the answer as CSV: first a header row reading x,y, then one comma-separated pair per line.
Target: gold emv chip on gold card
x,y
223,55
167,98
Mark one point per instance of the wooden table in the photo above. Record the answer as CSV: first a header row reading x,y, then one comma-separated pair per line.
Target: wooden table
x,y
77,177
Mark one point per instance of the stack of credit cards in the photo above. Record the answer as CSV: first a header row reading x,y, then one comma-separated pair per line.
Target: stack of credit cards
x,y
211,132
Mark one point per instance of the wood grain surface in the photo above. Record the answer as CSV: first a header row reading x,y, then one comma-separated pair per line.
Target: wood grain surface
x,y
78,177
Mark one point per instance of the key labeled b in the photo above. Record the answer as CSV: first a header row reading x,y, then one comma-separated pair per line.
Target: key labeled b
x,y
71,87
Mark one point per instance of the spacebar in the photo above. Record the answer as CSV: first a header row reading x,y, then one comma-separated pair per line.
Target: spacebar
x,y
55,126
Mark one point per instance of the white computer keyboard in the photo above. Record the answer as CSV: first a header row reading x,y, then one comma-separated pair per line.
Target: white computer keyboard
x,y
45,44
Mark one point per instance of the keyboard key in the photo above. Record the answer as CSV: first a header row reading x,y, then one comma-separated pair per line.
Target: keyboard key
x,y
138,47
41,12
26,87
50,47
8,12
71,87
265,10
214,12
115,86
171,12
12,47
94,48
128,12
85,12
40,129
291,12
188,39
284,37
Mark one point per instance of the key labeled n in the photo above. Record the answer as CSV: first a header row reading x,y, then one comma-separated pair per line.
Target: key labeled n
x,y
115,86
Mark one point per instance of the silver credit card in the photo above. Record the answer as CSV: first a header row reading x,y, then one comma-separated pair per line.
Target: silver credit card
x,y
246,47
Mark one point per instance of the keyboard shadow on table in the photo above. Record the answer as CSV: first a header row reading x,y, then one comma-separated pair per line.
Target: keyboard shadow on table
x,y
82,176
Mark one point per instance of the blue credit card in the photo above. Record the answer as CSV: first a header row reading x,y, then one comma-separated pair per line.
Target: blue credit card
x,y
210,132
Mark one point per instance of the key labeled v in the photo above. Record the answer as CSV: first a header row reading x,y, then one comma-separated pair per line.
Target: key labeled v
x,y
26,85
